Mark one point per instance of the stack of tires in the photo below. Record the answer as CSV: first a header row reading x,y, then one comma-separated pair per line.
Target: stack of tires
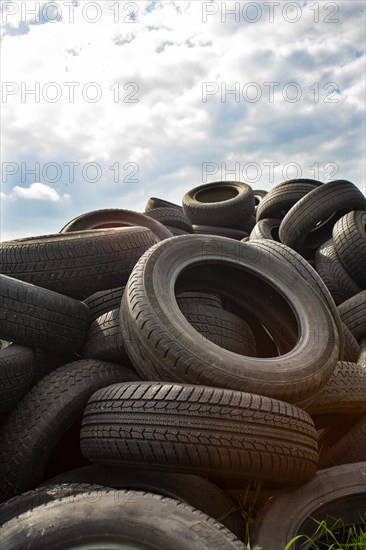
x,y
155,367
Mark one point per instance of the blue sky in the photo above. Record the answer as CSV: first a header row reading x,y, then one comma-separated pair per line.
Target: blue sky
x,y
169,95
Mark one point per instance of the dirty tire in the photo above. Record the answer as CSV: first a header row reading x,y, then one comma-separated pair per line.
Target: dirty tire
x,y
171,217
283,196
222,203
114,217
37,317
45,413
266,229
104,301
353,314
79,263
338,492
349,237
197,429
309,223
197,491
110,518
345,391
331,270
158,337
16,374
351,350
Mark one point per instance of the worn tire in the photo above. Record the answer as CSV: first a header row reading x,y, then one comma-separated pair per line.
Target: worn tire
x,y
38,317
79,263
197,491
348,449
223,203
104,339
349,237
154,202
157,336
266,229
351,350
331,270
104,301
171,217
46,412
228,232
309,223
336,492
114,217
116,519
16,375
353,314
197,429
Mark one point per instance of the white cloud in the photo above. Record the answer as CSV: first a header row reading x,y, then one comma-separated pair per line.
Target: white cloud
x,y
37,191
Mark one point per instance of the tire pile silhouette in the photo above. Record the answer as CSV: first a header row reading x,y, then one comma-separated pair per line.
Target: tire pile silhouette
x,y
155,367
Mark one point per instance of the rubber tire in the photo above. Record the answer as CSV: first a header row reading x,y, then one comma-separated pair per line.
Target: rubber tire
x,y
104,301
104,339
48,361
349,237
351,349
220,327
37,317
156,335
171,217
16,374
283,196
46,412
41,495
123,519
334,275
266,229
196,491
197,429
350,448
325,204
155,202
338,492
79,263
228,232
345,391
202,298
259,195
353,314
115,217
286,254
225,203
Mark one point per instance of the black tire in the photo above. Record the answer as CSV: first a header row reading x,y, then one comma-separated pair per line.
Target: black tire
x,y
228,232
46,412
202,298
362,357
266,229
353,314
16,375
104,301
176,232
351,350
196,491
37,317
79,263
41,495
345,391
333,493
222,203
48,361
111,519
157,336
349,237
114,217
104,339
335,276
171,217
220,327
348,449
283,196
197,429
287,255
309,223
155,202
259,195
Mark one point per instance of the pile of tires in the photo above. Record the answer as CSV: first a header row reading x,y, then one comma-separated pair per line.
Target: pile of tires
x,y
156,367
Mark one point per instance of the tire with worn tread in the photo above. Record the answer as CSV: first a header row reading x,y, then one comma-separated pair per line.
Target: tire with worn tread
x,y
353,314
229,232
266,229
348,449
45,413
116,519
197,429
16,374
104,301
104,339
37,317
171,217
337,493
351,350
349,237
309,223
155,202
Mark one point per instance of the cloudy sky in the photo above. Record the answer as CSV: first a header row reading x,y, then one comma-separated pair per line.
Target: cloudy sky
x,y
105,104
